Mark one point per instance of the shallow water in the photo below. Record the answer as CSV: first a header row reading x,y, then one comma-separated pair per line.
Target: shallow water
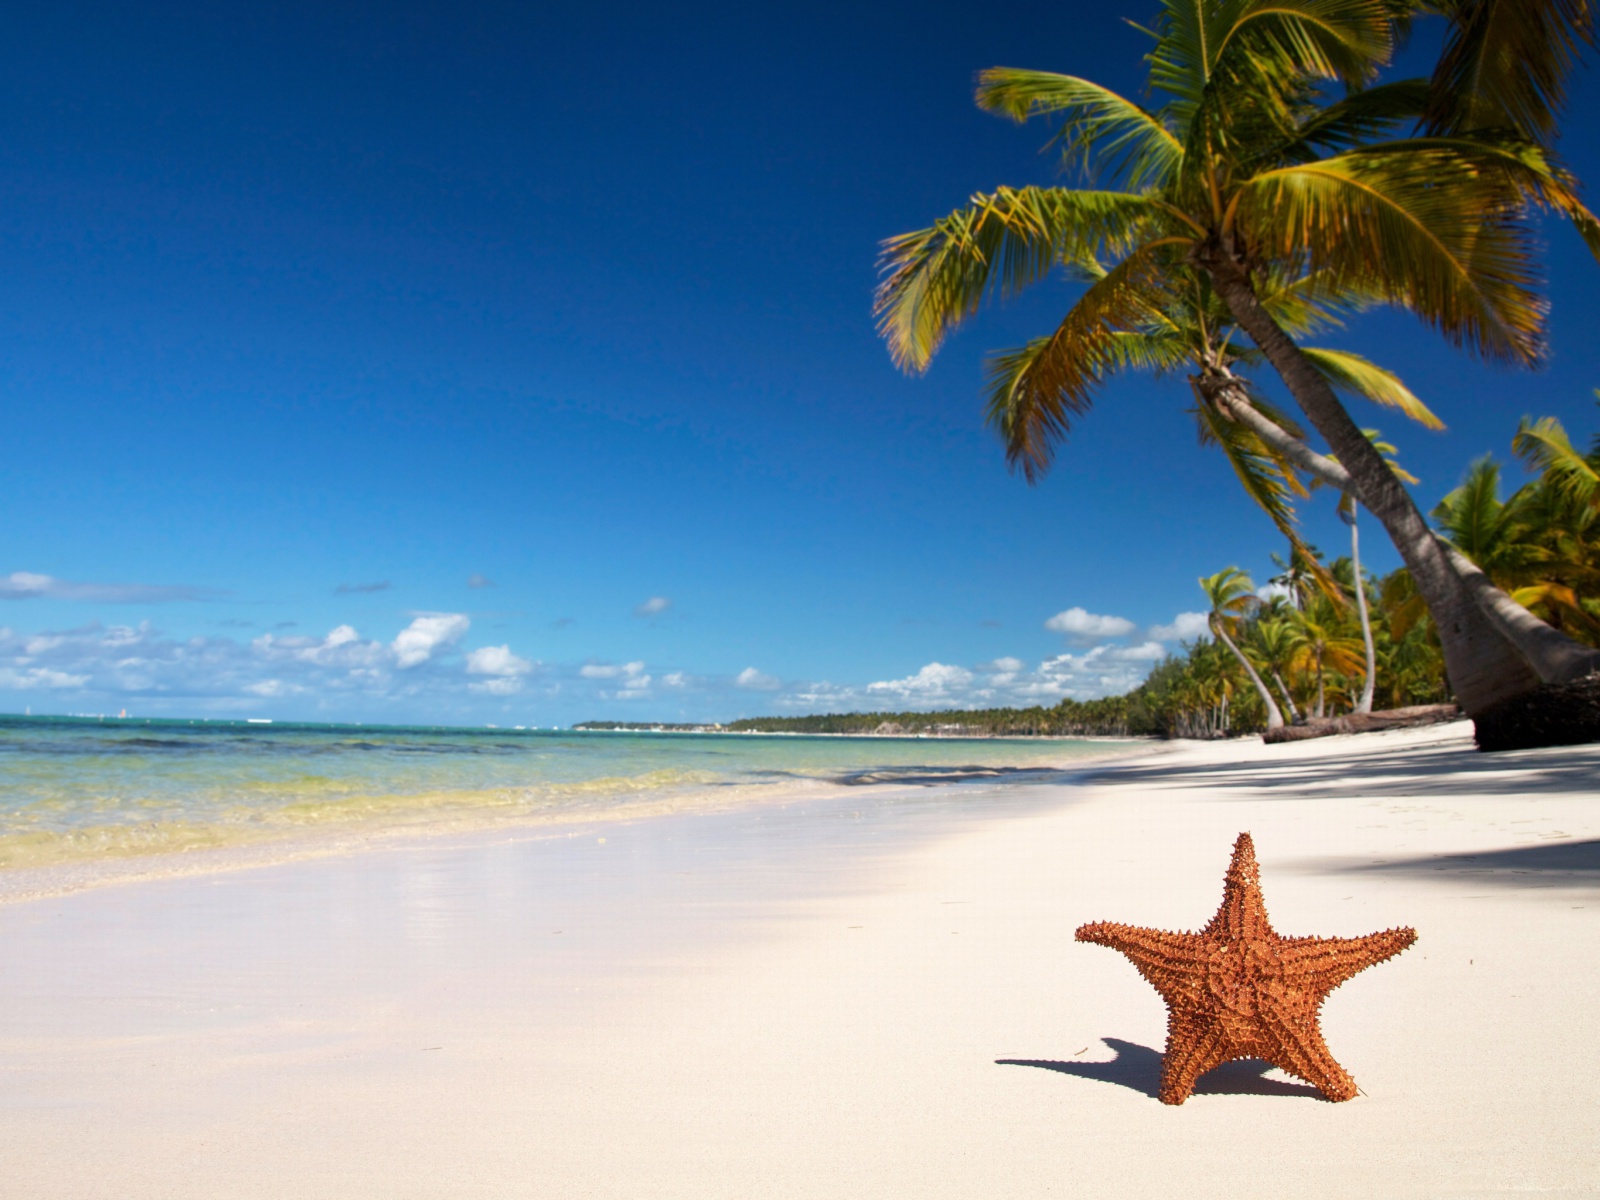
x,y
78,789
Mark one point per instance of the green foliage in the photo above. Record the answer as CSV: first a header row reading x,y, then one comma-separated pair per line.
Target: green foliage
x,y
1109,717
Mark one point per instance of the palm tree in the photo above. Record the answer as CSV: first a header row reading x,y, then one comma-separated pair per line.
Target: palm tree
x,y
1322,646
1538,544
1245,185
1349,511
1232,594
1272,638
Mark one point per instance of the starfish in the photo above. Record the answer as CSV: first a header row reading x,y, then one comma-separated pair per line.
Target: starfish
x,y
1236,989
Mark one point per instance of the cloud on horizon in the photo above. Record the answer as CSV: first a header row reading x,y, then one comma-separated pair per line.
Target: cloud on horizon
x,y
653,607
26,585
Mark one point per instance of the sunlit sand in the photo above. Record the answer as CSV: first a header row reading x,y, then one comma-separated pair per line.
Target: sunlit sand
x,y
873,994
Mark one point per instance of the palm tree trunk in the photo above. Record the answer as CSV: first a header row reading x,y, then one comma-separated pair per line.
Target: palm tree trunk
x,y
1364,705
1322,708
1288,700
1274,717
1485,667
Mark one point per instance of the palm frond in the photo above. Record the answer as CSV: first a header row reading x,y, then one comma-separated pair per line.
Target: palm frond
x,y
1437,229
1036,391
1130,141
1266,478
1001,242
1505,65
1356,120
1544,446
1307,302
1326,39
1351,373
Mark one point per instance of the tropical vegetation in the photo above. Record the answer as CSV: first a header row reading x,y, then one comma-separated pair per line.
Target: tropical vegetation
x,y
1325,638
1278,184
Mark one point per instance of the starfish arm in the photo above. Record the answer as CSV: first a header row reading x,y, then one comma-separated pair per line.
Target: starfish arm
x,y
1297,1047
1194,1046
1318,965
1173,963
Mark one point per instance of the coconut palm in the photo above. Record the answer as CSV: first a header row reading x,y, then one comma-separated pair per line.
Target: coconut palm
x,y
1539,544
1232,595
1272,638
1349,512
1247,184
1323,646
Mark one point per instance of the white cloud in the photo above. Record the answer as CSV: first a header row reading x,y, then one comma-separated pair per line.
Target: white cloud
x,y
610,670
39,677
426,636
27,585
653,607
1081,625
505,685
496,660
676,679
273,688
935,682
343,647
1185,627
476,580
755,681
1145,652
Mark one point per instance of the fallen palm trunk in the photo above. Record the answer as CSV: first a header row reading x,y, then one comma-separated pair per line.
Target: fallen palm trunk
x,y
1394,718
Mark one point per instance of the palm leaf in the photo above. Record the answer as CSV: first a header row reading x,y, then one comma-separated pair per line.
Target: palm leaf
x,y
1036,391
1001,242
1357,119
1545,447
1266,478
1430,228
1505,64
1351,373
1131,140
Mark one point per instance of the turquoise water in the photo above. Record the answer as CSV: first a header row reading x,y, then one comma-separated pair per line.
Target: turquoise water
x,y
74,789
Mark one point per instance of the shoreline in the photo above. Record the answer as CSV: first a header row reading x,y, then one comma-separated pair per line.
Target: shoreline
x,y
270,848
876,993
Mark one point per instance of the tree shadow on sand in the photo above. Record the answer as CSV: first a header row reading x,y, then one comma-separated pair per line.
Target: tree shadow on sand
x,y
1139,1068
1552,864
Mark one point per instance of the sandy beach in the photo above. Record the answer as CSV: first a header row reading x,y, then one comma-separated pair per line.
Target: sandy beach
x,y
868,994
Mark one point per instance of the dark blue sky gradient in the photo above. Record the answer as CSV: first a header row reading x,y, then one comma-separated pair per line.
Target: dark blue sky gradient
x,y
577,299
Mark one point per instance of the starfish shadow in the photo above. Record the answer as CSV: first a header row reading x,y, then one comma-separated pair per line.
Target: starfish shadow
x,y
1139,1068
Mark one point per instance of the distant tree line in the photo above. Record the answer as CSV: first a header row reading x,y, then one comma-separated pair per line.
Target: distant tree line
x,y
1108,717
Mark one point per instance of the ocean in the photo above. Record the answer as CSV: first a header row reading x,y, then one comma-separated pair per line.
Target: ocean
x,y
78,789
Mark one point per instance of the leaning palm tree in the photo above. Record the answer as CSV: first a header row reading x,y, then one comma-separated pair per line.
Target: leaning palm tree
x,y
1246,181
1273,641
1231,595
1349,512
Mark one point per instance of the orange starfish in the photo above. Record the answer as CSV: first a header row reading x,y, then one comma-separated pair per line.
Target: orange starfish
x,y
1238,990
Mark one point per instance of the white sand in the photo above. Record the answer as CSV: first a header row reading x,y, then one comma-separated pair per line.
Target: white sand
x,y
817,1002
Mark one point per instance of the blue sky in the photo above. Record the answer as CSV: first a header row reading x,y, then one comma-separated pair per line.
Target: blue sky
x,y
395,362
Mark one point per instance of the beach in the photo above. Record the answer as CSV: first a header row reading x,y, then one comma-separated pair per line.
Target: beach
x,y
870,991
